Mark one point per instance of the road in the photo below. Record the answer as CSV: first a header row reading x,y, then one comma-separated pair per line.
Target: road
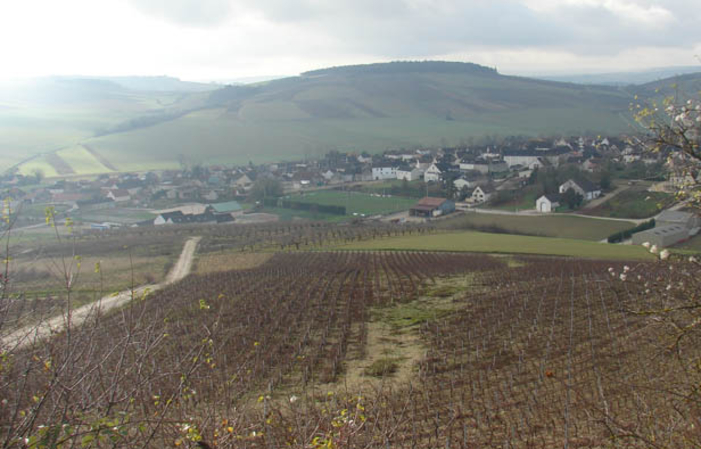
x,y
30,334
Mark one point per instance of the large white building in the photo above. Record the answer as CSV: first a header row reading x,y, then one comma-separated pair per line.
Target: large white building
x,y
384,172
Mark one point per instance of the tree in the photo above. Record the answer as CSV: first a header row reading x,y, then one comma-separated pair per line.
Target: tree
x,y
38,175
605,181
265,188
572,199
674,129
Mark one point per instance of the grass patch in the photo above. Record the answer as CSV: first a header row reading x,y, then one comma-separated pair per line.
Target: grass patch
x,y
523,202
355,202
568,227
635,202
219,262
499,243
382,367
82,161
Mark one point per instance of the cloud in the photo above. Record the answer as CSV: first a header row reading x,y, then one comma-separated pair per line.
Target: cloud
x,y
195,13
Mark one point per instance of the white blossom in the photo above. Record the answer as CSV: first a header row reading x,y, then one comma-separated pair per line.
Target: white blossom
x,y
664,255
646,244
653,249
623,277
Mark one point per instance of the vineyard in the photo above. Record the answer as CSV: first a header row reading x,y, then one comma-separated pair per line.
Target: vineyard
x,y
477,351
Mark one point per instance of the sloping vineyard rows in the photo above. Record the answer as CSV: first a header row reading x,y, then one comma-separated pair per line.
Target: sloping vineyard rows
x,y
552,357
272,236
210,344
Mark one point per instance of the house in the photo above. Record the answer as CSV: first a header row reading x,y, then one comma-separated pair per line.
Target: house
x,y
583,187
479,165
119,195
432,207
437,171
384,172
175,217
547,203
408,173
482,194
462,183
242,181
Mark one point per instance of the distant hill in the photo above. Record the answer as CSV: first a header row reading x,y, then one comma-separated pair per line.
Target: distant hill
x,y
625,78
361,108
161,84
684,85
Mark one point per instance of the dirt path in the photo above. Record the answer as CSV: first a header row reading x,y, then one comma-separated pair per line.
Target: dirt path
x,y
29,334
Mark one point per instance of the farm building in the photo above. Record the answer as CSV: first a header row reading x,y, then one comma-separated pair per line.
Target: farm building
x,y
662,236
228,207
688,220
547,203
432,207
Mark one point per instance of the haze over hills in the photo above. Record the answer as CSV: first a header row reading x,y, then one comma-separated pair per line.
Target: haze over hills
x,y
625,78
363,108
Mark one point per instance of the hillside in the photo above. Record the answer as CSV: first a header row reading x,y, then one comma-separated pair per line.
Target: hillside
x,y
39,116
365,108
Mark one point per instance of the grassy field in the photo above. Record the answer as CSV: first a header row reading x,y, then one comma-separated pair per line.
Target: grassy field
x,y
525,202
355,202
505,244
568,227
220,262
635,202
116,215
82,161
292,214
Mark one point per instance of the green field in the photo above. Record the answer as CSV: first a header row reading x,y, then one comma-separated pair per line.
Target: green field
x,y
562,226
294,214
355,202
505,244
115,215
635,202
525,202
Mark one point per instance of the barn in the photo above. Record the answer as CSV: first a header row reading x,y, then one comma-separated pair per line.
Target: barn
x,y
662,236
432,207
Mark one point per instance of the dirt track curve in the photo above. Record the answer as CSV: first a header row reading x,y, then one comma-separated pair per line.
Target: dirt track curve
x,y
29,334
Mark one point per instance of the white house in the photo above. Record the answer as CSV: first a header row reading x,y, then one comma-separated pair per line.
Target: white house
x,y
547,203
482,194
584,187
474,165
384,172
436,171
118,195
462,183
409,173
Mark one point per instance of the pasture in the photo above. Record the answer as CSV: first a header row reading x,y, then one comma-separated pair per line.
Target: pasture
x,y
501,243
635,202
356,203
560,226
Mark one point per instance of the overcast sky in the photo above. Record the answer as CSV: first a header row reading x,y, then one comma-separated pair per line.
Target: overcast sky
x,y
227,39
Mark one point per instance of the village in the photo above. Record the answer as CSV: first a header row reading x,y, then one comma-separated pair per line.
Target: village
x,y
538,176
